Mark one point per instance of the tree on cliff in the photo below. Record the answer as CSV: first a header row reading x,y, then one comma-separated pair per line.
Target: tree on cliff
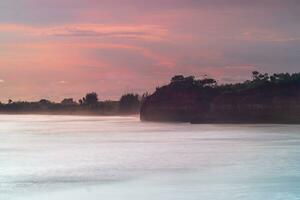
x,y
207,82
259,78
189,81
177,78
181,79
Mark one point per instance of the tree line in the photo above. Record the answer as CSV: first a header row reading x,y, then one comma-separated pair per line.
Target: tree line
x,y
89,104
130,103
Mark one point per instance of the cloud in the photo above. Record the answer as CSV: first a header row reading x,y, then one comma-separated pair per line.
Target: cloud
x,y
63,82
240,67
133,31
267,36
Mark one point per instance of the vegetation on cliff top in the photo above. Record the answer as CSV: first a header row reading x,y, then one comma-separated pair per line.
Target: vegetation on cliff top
x,y
265,98
258,80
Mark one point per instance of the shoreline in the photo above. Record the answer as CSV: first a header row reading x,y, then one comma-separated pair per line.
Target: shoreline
x,y
70,114
151,121
137,115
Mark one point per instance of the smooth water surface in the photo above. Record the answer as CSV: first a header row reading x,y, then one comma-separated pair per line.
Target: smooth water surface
x,y
121,158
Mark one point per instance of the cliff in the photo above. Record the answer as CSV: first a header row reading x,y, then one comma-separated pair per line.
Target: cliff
x,y
274,99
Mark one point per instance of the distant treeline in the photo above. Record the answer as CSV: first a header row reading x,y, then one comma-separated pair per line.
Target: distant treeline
x,y
264,99
89,104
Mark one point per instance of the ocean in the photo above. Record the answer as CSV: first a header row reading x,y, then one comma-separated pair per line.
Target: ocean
x,y
45,157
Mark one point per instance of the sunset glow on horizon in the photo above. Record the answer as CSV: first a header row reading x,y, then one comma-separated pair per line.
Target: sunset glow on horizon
x,y
65,48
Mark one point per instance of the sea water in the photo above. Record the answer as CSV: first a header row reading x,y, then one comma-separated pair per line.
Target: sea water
x,y
120,158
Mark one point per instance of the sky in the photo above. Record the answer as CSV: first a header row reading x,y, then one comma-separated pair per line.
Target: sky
x,y
65,48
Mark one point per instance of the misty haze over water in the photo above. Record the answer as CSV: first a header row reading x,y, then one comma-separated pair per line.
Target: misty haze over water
x,y
80,157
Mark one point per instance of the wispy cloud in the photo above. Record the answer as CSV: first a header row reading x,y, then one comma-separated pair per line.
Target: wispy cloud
x,y
62,82
267,36
133,31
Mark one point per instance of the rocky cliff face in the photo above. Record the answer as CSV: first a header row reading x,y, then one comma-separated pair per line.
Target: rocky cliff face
x,y
269,103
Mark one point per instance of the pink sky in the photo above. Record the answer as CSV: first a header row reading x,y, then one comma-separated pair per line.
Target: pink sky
x,y
66,48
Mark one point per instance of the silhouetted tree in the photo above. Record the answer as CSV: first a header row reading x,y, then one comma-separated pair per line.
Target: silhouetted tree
x,y
129,103
44,101
255,75
191,82
68,101
207,82
177,78
189,79
90,99
183,82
